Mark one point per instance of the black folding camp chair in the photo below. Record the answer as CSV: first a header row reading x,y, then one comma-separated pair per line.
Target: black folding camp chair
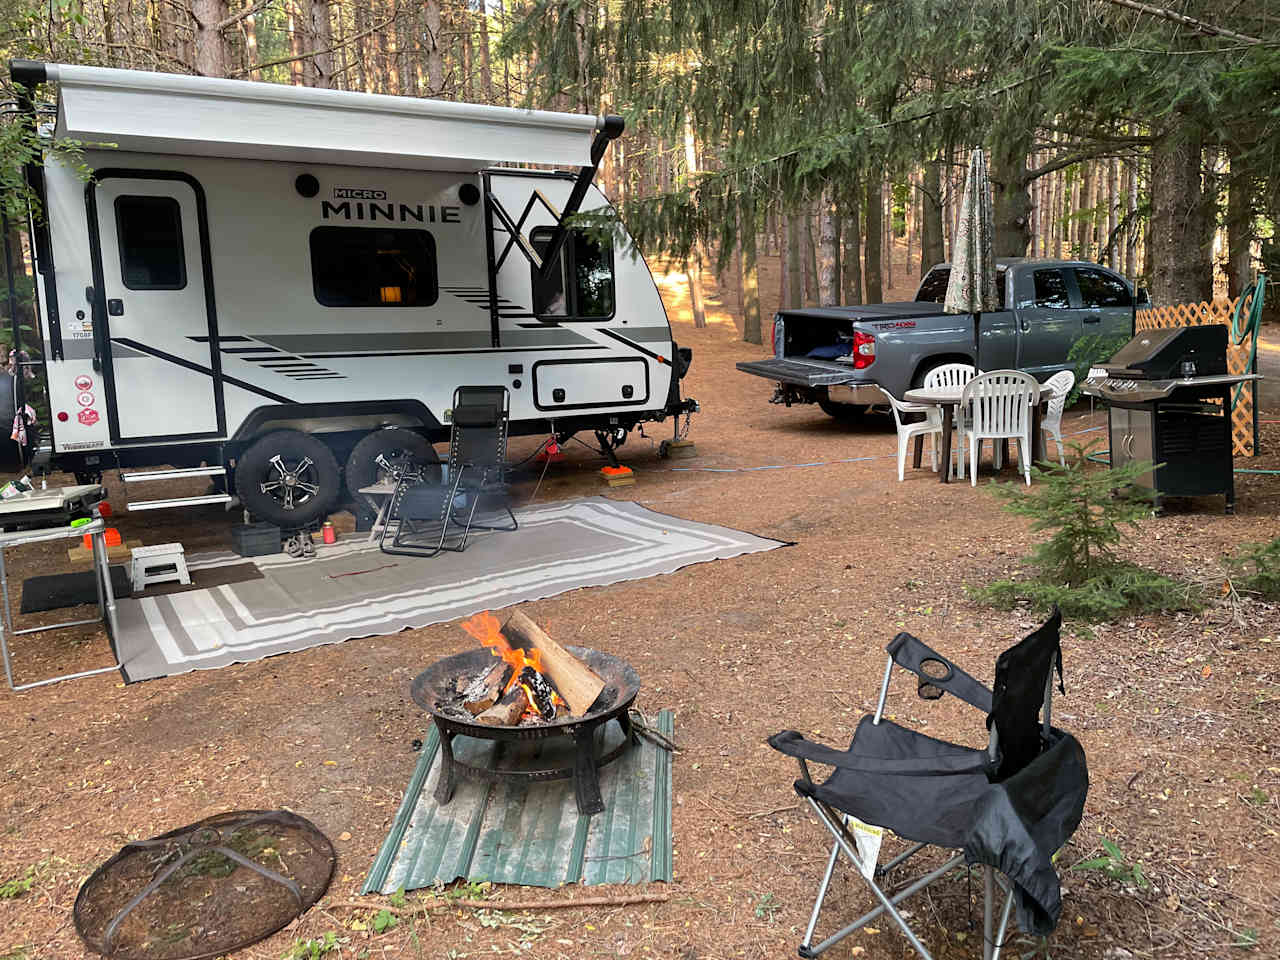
x,y
1008,808
430,517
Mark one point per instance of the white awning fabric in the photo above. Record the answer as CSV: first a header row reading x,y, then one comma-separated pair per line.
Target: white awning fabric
x,y
202,116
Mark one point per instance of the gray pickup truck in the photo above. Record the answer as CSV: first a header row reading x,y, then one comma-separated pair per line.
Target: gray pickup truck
x,y
838,357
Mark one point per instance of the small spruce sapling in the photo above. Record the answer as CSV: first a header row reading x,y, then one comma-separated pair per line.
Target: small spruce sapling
x,y
1077,567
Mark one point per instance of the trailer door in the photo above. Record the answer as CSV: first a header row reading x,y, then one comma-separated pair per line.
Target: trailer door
x,y
155,330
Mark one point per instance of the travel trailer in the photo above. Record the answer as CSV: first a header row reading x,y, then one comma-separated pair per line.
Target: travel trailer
x,y
258,283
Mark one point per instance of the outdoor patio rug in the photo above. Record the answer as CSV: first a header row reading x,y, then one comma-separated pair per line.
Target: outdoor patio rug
x,y
532,834
53,591
353,590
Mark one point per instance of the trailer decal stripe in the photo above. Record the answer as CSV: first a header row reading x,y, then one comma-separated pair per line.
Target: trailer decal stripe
x,y
160,354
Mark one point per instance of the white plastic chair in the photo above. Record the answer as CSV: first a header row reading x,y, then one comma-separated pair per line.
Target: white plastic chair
x,y
1060,383
908,431
950,375
998,406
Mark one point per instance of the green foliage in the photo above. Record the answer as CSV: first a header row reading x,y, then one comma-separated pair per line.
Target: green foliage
x,y
1076,568
16,886
1088,352
1256,569
1113,865
314,948
767,907
384,920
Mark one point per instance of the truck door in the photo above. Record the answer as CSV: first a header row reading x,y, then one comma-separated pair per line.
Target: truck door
x,y
154,327
1049,322
1106,301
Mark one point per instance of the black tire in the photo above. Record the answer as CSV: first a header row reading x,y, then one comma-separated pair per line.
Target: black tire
x,y
293,498
384,455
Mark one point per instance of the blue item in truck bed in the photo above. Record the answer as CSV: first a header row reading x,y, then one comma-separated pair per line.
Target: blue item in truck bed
x,y
831,352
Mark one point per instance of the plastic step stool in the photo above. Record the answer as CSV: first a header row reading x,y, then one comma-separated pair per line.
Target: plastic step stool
x,y
162,563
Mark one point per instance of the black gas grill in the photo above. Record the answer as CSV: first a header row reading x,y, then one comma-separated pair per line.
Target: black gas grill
x,y
1169,403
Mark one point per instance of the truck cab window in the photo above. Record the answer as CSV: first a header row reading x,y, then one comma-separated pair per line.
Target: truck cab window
x,y
373,267
933,288
150,238
1051,290
588,267
1101,289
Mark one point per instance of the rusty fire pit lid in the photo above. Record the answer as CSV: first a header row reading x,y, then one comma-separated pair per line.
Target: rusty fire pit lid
x,y
205,889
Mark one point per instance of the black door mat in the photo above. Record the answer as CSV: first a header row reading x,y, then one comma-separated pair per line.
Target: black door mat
x,y
57,590
206,578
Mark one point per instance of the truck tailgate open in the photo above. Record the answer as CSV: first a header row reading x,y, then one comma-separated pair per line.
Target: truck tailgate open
x,y
800,371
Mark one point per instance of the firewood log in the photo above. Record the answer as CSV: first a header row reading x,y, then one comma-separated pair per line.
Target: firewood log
x,y
486,690
578,684
507,711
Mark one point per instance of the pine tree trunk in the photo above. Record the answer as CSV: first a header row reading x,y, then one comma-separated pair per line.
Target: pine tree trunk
x,y
293,24
828,249
360,19
751,331
795,261
435,56
810,260
931,248
1011,204
886,192
486,69
851,238
910,220
695,255
251,48
1056,206
1131,240
1240,216
1181,269
874,234
784,261
210,45
322,42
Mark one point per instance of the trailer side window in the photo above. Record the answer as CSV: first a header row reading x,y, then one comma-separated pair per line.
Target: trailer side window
x,y
373,267
589,267
150,236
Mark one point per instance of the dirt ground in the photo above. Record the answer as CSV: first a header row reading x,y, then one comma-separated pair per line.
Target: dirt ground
x,y
1177,714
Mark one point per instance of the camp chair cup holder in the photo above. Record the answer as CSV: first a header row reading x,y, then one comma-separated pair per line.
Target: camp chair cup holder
x,y
1005,808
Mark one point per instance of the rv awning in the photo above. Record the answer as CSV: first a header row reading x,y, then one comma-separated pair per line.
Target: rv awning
x,y
177,114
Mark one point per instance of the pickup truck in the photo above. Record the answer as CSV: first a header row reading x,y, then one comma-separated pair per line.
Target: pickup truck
x,y
840,357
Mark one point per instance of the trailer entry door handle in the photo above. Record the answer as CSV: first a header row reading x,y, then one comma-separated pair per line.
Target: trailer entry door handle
x,y
115,308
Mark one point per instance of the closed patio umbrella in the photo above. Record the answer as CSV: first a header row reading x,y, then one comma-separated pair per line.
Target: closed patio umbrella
x,y
972,286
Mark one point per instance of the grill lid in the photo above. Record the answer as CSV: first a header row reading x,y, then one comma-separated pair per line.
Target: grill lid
x,y
1172,353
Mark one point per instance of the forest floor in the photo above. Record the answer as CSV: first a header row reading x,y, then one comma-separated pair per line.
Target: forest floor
x,y
1177,714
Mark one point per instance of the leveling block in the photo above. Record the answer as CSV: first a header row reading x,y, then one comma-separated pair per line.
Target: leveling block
x,y
617,476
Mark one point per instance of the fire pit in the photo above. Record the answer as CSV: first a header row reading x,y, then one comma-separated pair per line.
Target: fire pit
x,y
440,690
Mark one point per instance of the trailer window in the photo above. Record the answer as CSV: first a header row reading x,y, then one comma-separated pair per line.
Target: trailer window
x,y
373,267
150,236
588,264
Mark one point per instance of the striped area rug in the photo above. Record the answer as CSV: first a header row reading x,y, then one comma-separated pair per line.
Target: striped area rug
x,y
354,590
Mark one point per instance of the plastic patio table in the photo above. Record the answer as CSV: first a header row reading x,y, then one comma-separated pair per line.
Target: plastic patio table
x,y
948,398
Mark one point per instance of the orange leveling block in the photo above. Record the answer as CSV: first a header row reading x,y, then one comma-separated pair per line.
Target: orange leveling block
x,y
617,476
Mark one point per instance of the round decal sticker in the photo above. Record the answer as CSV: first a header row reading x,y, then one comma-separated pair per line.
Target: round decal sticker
x,y
84,382
85,399
88,417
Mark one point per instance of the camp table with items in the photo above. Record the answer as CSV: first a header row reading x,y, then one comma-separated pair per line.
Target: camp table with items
x,y
95,529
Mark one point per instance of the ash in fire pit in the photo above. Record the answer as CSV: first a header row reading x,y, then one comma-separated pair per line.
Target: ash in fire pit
x,y
535,689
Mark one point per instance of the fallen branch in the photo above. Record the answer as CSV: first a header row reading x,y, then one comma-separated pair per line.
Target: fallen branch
x,y
1200,26
618,901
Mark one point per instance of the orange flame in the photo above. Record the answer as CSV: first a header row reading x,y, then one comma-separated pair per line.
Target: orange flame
x,y
484,626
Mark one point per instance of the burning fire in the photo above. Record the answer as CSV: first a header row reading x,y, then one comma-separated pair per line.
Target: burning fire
x,y
485,627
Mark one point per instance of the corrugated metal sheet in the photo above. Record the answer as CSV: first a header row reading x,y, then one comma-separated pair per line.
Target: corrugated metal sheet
x,y
531,833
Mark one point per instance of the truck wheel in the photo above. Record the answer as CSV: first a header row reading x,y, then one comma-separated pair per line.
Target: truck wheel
x,y
384,456
288,478
845,412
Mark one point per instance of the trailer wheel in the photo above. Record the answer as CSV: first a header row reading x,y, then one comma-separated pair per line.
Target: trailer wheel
x,y
383,456
288,478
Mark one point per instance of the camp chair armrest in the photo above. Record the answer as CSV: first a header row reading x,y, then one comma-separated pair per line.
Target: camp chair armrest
x,y
794,744
934,669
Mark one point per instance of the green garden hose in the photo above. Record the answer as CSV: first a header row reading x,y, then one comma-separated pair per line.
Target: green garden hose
x,y
1253,325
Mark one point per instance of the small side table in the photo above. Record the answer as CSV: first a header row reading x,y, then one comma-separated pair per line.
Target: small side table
x,y
106,599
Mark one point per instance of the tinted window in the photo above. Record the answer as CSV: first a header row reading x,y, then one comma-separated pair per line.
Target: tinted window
x,y
150,235
1100,289
373,267
933,288
1051,290
589,267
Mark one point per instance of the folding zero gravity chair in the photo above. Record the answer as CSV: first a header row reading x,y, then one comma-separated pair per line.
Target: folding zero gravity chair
x,y
1009,807
429,517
